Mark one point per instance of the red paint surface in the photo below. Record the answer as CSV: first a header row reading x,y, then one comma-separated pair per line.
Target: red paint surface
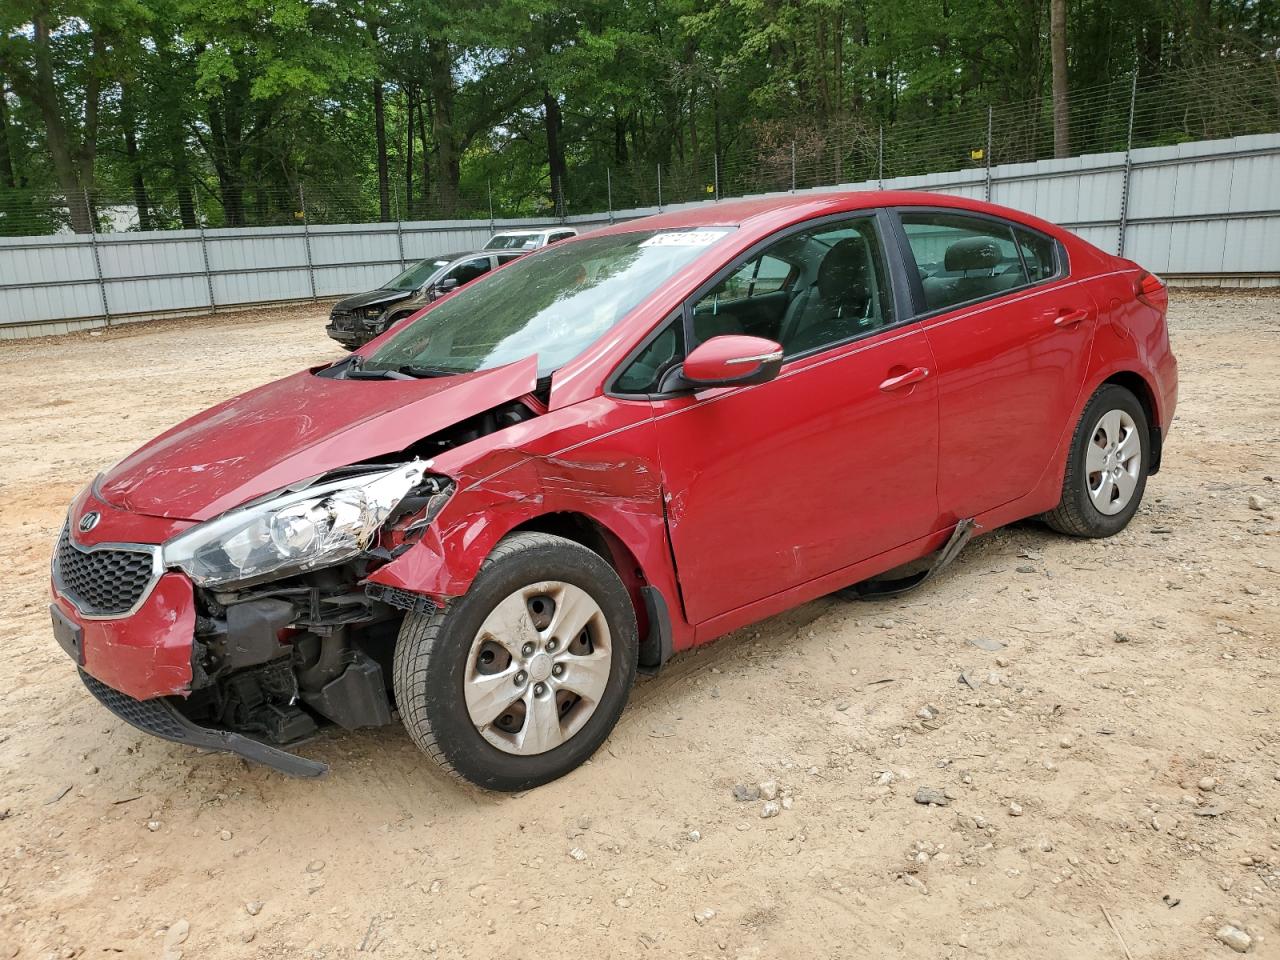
x,y
294,429
148,654
736,503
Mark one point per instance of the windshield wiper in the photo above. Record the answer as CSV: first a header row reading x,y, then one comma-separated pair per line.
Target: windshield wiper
x,y
360,373
424,372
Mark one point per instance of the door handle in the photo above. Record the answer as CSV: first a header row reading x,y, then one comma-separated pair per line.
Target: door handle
x,y
905,379
1069,318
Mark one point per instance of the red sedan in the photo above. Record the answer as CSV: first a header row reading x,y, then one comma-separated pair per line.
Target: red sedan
x,y
617,448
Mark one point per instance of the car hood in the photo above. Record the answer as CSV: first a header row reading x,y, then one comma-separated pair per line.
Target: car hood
x,y
295,429
372,298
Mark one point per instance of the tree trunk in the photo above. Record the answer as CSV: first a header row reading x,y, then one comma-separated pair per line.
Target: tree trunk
x,y
423,127
129,119
620,154
1061,105
187,207
226,152
408,157
380,130
140,199
61,150
448,161
7,178
555,149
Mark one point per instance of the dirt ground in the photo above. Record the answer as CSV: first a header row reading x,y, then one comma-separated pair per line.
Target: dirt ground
x,y
1113,771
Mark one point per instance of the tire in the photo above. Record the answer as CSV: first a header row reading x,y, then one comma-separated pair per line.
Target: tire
x,y
1078,513
438,664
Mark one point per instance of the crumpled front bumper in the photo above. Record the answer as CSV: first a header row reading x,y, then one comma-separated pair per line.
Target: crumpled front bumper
x,y
160,718
145,654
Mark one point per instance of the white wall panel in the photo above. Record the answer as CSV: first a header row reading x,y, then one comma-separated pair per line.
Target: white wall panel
x,y
1209,208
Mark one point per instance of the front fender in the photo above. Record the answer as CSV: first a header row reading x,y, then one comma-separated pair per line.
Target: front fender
x,y
611,479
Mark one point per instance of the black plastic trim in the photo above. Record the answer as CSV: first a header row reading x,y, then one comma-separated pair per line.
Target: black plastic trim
x,y
656,648
161,719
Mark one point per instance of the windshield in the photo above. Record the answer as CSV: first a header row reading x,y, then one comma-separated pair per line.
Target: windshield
x,y
554,304
416,275
513,241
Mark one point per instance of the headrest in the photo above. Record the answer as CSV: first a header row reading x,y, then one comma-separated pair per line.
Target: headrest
x,y
842,268
972,253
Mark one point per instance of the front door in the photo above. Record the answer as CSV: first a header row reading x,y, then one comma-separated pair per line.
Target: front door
x,y
770,486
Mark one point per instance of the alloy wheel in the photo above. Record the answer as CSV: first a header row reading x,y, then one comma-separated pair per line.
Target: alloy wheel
x,y
538,667
1113,462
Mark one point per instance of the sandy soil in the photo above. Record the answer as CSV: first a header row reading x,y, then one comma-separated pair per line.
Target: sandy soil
x,y
1131,670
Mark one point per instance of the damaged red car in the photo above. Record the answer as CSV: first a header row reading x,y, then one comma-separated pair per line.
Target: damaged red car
x,y
491,517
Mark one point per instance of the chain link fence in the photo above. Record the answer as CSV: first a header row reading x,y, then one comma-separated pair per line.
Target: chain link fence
x,y
1225,100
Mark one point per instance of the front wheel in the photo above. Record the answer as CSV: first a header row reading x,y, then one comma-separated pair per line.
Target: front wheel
x,y
521,679
1106,471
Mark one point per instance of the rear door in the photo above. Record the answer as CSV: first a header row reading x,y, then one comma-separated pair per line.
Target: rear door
x,y
771,486
1011,332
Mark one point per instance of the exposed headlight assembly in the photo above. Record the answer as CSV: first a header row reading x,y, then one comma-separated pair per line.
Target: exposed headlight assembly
x,y
295,532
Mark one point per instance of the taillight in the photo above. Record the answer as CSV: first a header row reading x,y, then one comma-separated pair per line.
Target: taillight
x,y
1152,291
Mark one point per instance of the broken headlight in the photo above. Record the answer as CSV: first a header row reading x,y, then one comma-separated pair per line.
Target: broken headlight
x,y
294,532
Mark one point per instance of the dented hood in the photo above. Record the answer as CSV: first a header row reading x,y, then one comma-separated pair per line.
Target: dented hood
x,y
295,429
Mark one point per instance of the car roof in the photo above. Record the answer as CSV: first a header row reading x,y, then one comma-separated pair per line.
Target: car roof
x,y
770,213
458,256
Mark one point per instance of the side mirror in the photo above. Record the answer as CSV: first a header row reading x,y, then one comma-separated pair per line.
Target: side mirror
x,y
731,361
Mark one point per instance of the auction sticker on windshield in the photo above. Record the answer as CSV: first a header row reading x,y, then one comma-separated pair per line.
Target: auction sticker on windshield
x,y
687,238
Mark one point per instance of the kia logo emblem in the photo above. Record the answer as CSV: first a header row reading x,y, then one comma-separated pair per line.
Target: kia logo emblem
x,y
89,521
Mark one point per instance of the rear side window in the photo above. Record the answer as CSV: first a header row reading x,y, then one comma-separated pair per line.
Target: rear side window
x,y
1039,253
962,259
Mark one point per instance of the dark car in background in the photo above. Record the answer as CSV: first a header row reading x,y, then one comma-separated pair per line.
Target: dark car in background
x,y
355,321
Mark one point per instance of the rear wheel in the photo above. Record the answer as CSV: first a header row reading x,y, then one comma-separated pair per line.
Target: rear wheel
x,y
1106,467
521,679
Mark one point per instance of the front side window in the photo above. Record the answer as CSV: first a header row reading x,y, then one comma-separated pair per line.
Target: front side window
x,y
468,270
553,305
961,258
807,291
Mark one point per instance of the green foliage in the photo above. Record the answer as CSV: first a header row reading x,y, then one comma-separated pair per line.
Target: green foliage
x,y
172,113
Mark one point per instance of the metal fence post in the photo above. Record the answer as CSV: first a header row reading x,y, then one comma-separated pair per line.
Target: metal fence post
x,y
659,188
400,229
987,155
608,191
306,239
880,161
204,255
793,166
97,259
1128,165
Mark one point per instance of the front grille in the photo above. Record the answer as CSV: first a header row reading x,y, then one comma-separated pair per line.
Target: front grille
x,y
102,582
156,717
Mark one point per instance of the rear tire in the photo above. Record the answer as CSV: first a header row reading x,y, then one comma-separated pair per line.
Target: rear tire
x,y
1107,464
442,680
